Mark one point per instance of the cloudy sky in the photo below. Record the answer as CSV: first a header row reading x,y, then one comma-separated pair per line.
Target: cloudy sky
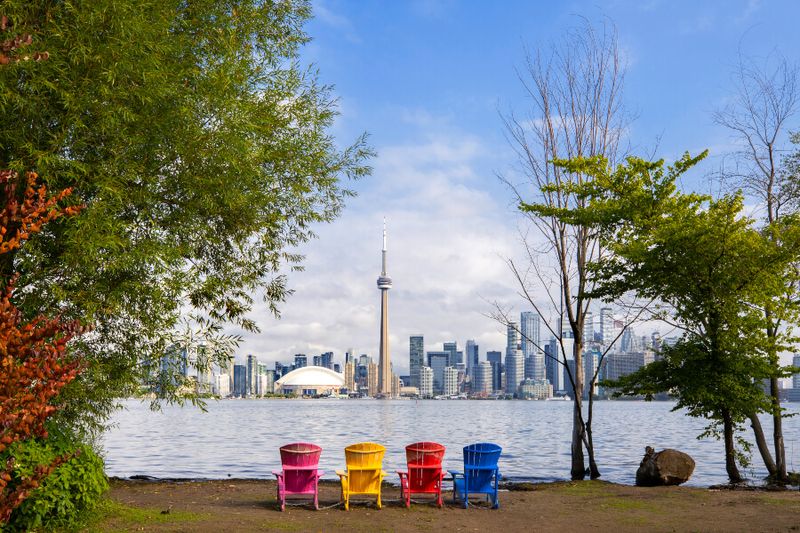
x,y
427,80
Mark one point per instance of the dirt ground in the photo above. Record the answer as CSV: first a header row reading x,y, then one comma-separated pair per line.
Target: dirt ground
x,y
248,505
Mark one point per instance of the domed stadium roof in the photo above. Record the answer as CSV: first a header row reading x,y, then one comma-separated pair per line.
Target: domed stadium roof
x,y
311,376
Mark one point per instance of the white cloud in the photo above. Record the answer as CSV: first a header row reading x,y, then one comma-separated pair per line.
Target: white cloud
x,y
447,240
326,15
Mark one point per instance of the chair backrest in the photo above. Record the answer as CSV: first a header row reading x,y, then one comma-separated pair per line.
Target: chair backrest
x,y
425,454
424,461
300,454
482,454
364,463
480,460
364,455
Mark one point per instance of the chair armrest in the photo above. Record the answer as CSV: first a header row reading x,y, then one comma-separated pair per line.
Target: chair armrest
x,y
455,473
341,473
320,473
402,473
277,474
384,473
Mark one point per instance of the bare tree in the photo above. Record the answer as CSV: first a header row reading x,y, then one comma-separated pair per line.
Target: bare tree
x,y
764,101
574,87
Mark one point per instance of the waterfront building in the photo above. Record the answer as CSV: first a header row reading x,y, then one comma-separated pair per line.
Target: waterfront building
x,y
384,362
349,356
588,328
456,356
621,364
483,384
530,326
512,338
450,381
537,390
240,381
221,385
310,381
300,361
515,370
606,325
372,379
252,375
397,384
495,359
416,357
425,381
349,376
591,358
796,377
472,357
326,360
438,361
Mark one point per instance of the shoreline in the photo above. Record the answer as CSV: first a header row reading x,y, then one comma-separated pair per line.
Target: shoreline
x,y
250,505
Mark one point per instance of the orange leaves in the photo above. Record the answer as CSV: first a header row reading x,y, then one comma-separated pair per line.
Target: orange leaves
x,y
35,365
20,220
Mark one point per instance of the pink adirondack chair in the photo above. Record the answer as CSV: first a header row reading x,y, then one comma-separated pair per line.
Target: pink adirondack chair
x,y
299,476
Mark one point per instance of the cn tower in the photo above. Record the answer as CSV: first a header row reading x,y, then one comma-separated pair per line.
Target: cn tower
x,y
384,367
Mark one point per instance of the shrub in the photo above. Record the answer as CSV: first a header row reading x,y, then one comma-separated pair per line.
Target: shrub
x,y
72,489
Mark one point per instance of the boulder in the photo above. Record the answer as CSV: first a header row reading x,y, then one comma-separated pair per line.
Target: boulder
x,y
667,467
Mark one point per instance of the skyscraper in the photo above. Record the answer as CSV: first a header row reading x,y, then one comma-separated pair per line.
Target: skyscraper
x,y
438,361
452,347
425,381
472,357
796,377
532,346
483,383
496,358
512,337
607,325
384,364
252,375
515,370
588,328
416,357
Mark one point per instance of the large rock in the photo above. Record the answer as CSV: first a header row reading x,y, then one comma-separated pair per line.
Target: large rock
x,y
667,467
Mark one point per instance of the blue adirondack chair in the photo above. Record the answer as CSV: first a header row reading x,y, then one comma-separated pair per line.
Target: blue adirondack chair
x,y
480,475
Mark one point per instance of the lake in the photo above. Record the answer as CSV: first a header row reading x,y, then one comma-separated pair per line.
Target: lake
x,y
240,438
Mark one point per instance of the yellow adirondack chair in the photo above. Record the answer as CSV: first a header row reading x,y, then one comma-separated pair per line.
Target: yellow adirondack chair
x,y
364,471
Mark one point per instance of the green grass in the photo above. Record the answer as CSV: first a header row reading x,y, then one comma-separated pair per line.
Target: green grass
x,y
114,516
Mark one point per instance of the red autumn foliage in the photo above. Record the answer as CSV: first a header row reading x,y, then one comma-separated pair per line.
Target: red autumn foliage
x,y
34,363
9,47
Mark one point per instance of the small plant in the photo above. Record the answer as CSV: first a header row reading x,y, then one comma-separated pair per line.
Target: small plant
x,y
71,490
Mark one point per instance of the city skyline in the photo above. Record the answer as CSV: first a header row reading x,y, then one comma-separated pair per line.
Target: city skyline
x,y
433,119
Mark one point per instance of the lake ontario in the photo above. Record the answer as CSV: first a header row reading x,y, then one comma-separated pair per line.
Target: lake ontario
x,y
240,438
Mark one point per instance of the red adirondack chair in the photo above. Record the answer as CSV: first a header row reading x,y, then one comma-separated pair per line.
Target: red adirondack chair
x,y
299,476
424,475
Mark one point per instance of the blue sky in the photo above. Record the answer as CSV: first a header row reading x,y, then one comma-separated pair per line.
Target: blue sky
x,y
426,80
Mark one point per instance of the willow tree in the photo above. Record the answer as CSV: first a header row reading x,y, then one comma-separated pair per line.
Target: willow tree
x,y
574,88
203,154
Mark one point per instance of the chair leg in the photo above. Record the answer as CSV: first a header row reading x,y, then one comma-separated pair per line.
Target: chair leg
x,y
379,500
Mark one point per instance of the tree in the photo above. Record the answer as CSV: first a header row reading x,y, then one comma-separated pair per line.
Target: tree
x,y
202,152
711,270
763,103
575,90
35,365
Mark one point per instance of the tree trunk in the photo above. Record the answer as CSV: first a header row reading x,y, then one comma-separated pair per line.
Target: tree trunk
x,y
763,448
777,432
594,472
730,454
578,470
578,467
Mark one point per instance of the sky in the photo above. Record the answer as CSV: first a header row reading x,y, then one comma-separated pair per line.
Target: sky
x,y
428,81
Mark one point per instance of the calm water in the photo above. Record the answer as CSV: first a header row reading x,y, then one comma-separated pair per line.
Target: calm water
x,y
240,438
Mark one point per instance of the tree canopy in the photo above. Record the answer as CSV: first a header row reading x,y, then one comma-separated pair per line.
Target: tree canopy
x,y
202,152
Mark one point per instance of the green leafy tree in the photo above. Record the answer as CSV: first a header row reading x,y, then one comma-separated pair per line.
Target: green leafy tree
x,y
711,271
203,154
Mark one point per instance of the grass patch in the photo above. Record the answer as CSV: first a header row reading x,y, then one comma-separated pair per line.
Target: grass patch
x,y
114,516
581,488
627,504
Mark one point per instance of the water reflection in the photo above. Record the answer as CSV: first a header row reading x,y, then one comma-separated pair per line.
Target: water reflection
x,y
240,438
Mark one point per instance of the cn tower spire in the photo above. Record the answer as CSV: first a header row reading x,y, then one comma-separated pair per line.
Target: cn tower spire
x,y
384,366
